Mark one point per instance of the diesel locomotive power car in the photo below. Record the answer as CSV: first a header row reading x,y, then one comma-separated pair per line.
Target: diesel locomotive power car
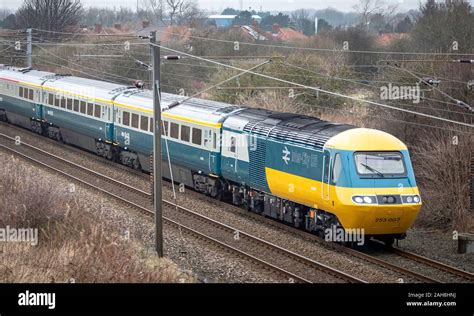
x,y
309,173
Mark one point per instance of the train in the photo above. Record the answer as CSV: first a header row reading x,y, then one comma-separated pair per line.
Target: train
x,y
306,172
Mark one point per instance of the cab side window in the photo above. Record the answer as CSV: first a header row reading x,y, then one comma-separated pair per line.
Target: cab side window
x,y
337,168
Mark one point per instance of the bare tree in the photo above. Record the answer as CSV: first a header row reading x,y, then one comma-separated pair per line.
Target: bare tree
x,y
177,11
300,18
189,14
157,8
51,15
367,8
370,8
173,8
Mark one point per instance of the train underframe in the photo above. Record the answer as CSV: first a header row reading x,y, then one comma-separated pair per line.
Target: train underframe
x,y
100,147
267,205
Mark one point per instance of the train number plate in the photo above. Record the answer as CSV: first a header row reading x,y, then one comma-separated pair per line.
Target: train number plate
x,y
387,219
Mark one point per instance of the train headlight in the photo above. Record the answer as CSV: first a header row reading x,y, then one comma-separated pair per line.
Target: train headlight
x,y
367,200
411,199
364,199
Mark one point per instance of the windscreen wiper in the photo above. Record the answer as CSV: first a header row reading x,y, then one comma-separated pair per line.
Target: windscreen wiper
x,y
372,169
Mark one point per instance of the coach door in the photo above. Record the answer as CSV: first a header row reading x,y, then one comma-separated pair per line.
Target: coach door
x,y
38,111
326,172
210,143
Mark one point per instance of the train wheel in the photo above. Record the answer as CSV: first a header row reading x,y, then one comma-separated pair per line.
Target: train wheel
x,y
110,154
136,164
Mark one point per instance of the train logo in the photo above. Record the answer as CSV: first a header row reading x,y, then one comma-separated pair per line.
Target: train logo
x,y
286,156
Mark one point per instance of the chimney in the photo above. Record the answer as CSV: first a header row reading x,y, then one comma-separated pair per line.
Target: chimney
x,y
276,28
118,26
316,23
98,28
145,24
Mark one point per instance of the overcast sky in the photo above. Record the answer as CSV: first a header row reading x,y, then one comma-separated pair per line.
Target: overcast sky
x,y
266,5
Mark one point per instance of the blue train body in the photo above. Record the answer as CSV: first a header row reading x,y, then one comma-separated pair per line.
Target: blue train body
x,y
301,170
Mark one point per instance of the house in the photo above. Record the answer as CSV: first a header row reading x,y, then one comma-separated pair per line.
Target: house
x,y
386,39
222,20
228,20
165,33
257,18
253,32
286,34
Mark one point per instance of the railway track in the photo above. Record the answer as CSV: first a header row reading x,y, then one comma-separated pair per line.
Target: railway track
x,y
136,197
294,267
380,260
461,275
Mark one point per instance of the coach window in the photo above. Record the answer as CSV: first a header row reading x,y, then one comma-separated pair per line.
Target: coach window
x,y
63,102
83,107
185,133
90,108
174,130
76,105
135,119
21,92
50,99
69,104
144,123
126,118
164,129
151,125
30,94
197,136
97,110
57,100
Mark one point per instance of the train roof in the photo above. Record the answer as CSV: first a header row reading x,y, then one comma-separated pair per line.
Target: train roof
x,y
297,128
285,126
204,110
95,89
23,75
100,90
129,97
